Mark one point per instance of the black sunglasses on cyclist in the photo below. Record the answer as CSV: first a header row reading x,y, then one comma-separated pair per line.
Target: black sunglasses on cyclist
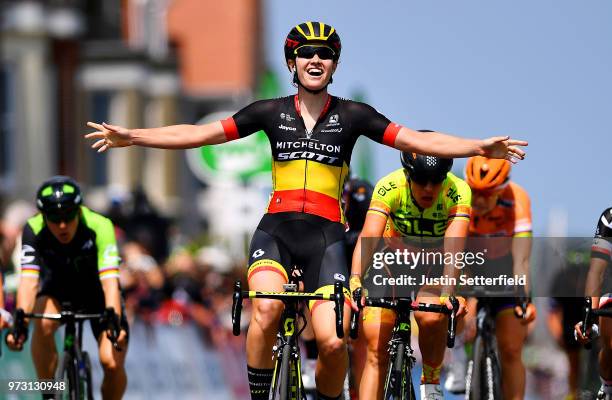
x,y
308,52
66,217
424,180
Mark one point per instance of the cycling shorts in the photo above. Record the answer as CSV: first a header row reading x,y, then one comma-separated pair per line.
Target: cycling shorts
x,y
312,243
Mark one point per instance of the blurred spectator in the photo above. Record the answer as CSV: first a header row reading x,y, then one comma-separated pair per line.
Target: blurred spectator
x,y
146,226
15,216
142,281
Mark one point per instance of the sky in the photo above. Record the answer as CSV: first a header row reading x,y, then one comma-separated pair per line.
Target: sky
x,y
535,70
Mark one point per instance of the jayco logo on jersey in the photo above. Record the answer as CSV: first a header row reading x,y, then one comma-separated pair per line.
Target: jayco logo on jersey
x,y
287,117
286,128
339,277
258,253
25,258
88,245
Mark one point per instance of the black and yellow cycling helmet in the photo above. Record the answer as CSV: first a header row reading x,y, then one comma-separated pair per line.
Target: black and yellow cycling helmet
x,y
312,32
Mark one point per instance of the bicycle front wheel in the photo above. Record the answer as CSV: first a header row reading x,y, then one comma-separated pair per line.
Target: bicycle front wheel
x,y
474,381
68,372
398,383
493,377
85,377
281,386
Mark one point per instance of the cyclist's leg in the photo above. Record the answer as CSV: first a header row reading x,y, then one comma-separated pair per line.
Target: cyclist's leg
x,y
333,355
309,359
44,352
432,337
376,328
511,335
266,273
111,360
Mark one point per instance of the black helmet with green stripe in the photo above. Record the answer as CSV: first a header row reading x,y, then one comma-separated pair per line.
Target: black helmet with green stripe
x,y
59,195
312,32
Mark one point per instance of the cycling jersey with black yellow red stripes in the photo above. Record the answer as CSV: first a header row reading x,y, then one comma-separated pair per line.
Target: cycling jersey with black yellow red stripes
x,y
393,199
309,168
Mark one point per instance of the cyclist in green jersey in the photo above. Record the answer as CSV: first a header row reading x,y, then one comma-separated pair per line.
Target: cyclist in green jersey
x,y
426,203
312,135
69,255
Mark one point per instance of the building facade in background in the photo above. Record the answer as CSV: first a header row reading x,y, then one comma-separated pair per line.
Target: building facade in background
x,y
137,63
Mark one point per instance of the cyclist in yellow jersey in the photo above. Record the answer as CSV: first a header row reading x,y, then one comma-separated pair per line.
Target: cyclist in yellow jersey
x,y
421,200
312,135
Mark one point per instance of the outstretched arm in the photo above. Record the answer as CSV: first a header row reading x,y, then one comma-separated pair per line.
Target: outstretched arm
x,y
167,137
442,145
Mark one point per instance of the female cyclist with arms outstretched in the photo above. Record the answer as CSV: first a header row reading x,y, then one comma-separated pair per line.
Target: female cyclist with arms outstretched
x,y
312,135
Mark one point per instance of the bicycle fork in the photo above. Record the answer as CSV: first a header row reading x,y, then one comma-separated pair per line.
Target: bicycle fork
x,y
401,357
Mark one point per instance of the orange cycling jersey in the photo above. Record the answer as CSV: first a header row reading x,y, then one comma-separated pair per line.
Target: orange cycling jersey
x,y
510,218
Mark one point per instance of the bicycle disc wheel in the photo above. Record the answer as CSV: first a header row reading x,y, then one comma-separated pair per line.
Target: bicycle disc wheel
x,y
474,381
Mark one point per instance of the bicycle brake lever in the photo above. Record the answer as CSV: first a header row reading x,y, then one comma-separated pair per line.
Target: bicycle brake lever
x,y
588,306
339,302
452,323
354,330
112,326
236,308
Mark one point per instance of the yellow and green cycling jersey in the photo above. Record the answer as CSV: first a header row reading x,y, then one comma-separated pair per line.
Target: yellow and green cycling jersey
x,y
392,198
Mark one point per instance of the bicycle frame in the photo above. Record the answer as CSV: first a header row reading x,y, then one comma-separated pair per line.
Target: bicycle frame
x,y
398,381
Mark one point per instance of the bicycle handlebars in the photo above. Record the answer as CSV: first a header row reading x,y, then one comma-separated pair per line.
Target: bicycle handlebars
x,y
286,297
406,304
108,318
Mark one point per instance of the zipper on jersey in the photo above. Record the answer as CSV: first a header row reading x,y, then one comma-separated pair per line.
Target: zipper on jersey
x,y
296,103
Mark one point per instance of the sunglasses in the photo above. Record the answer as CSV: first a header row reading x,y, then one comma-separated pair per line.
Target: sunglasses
x,y
62,217
423,181
308,52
